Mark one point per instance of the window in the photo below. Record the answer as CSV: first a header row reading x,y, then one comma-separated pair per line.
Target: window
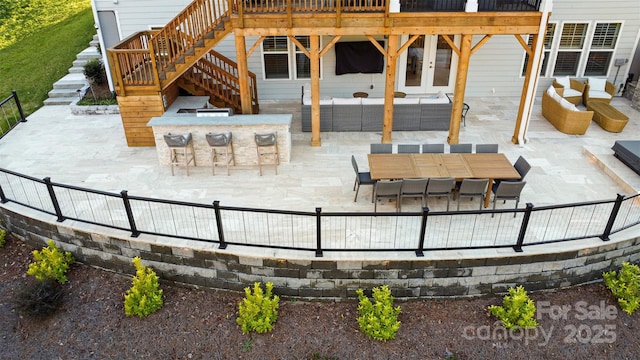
x,y
571,44
605,38
548,41
275,50
279,53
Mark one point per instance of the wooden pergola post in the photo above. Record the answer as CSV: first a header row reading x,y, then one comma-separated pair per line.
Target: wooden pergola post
x,y
243,74
389,86
461,84
314,51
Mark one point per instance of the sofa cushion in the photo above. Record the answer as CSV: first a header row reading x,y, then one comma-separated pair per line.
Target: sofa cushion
x,y
571,93
597,94
556,97
347,101
551,90
596,84
406,100
372,101
564,81
567,105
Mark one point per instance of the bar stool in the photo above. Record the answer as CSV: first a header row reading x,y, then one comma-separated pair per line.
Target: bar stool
x,y
221,150
181,151
267,150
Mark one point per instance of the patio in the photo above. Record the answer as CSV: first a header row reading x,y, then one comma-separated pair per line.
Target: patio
x,y
91,151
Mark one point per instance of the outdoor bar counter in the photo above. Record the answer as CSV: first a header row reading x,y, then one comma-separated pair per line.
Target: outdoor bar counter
x,y
242,127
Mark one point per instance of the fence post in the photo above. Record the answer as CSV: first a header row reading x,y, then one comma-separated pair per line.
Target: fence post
x,y
127,208
3,198
15,96
318,232
612,217
54,199
523,227
423,230
216,207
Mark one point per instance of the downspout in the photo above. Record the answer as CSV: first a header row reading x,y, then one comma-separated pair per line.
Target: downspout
x,y
545,8
103,48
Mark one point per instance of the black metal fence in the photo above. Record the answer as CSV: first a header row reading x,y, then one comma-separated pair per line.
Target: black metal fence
x,y
320,231
10,113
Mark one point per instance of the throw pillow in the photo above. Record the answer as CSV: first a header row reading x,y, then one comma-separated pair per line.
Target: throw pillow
x,y
596,84
564,81
567,105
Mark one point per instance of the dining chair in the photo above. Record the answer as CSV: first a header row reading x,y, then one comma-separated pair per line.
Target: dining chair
x,y
507,190
267,150
408,149
522,166
413,188
486,148
460,148
362,178
439,187
387,189
432,148
471,188
381,149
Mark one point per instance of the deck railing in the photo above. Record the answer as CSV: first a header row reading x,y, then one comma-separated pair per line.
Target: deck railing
x,y
317,231
11,113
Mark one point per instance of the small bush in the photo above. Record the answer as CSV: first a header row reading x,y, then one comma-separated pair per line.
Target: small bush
x,y
145,296
258,310
3,234
39,298
378,320
517,310
94,72
50,263
625,285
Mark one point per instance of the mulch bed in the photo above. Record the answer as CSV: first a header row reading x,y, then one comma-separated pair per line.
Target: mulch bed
x,y
577,323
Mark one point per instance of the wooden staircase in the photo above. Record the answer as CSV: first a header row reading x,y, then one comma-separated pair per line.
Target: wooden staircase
x,y
149,67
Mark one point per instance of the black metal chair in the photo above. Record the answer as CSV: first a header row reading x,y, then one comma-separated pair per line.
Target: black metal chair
x,y
413,188
408,149
381,149
471,188
362,178
486,148
465,110
460,148
440,187
432,148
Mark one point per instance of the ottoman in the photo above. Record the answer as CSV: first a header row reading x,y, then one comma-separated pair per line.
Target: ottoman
x,y
608,117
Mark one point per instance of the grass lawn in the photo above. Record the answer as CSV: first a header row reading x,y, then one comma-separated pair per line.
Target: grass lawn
x,y
39,40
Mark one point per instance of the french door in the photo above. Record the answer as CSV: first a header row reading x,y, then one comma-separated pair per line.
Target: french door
x,y
427,66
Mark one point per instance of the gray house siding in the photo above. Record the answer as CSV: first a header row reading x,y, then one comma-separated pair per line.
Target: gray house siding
x,y
495,69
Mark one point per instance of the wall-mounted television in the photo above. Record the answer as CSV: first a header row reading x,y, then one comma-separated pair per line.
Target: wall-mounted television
x,y
354,57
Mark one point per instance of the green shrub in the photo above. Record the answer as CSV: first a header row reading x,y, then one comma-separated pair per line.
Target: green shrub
x,y
94,72
258,310
625,285
50,263
145,296
3,234
39,298
517,310
378,320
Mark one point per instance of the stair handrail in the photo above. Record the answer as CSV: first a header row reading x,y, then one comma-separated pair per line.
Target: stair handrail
x,y
182,32
224,72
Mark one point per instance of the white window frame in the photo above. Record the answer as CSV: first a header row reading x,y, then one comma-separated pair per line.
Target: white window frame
x,y
292,51
546,52
289,64
590,49
558,49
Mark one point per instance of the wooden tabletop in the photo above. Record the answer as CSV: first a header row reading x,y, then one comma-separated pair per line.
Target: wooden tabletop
x,y
459,166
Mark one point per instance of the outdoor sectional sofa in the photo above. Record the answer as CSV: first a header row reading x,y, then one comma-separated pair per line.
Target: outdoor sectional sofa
x,y
563,114
427,113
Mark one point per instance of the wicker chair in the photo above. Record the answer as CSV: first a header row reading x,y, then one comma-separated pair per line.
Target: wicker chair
x,y
574,92
592,93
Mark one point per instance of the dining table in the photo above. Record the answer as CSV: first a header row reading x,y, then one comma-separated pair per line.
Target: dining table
x,y
460,166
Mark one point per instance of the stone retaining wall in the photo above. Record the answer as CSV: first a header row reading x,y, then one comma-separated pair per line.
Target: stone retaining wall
x,y
181,262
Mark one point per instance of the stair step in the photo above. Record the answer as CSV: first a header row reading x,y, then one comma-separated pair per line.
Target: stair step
x,y
63,93
60,100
